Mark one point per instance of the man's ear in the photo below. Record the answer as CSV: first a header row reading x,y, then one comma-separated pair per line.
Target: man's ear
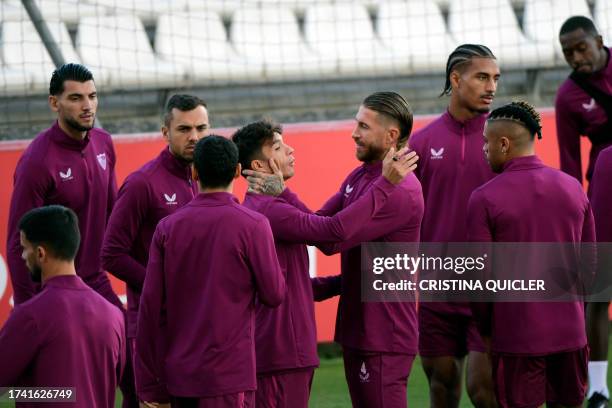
x,y
505,144
53,103
238,171
165,133
393,136
258,165
41,254
454,78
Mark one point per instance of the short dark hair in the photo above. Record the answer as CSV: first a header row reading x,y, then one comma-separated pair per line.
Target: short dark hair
x,y
250,139
459,58
576,22
393,106
522,113
215,159
182,102
54,227
68,72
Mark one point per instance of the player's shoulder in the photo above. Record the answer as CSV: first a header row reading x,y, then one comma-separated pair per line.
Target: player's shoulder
x,y
408,195
489,188
567,181
36,158
423,134
102,144
247,215
567,93
137,183
433,126
101,135
103,304
259,202
410,185
355,174
39,147
148,171
604,159
28,309
603,167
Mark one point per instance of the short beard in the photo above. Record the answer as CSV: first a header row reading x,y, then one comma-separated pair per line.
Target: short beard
x,y
76,126
371,155
36,274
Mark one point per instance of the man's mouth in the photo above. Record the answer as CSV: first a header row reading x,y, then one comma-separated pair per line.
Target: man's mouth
x,y
488,99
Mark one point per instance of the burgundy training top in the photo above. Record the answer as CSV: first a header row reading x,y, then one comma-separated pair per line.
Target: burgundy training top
x,y
210,263
57,169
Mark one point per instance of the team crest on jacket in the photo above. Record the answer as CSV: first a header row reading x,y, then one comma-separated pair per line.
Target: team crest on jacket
x,y
102,160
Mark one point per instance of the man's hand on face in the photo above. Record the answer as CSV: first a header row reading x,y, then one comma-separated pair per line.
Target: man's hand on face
x,y
265,183
397,165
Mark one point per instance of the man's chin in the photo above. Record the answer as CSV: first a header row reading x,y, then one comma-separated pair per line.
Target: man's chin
x,y
364,156
288,174
483,109
36,275
81,127
585,70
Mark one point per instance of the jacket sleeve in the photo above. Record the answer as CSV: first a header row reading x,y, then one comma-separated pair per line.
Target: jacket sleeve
x,y
293,225
148,370
332,206
478,225
19,346
568,138
292,198
326,287
262,257
30,188
112,185
384,220
123,226
601,196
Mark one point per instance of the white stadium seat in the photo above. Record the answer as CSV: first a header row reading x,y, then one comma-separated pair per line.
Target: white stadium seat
x,y
498,29
603,19
68,11
278,45
119,45
147,10
15,83
416,33
344,32
227,7
24,51
198,41
542,20
223,7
